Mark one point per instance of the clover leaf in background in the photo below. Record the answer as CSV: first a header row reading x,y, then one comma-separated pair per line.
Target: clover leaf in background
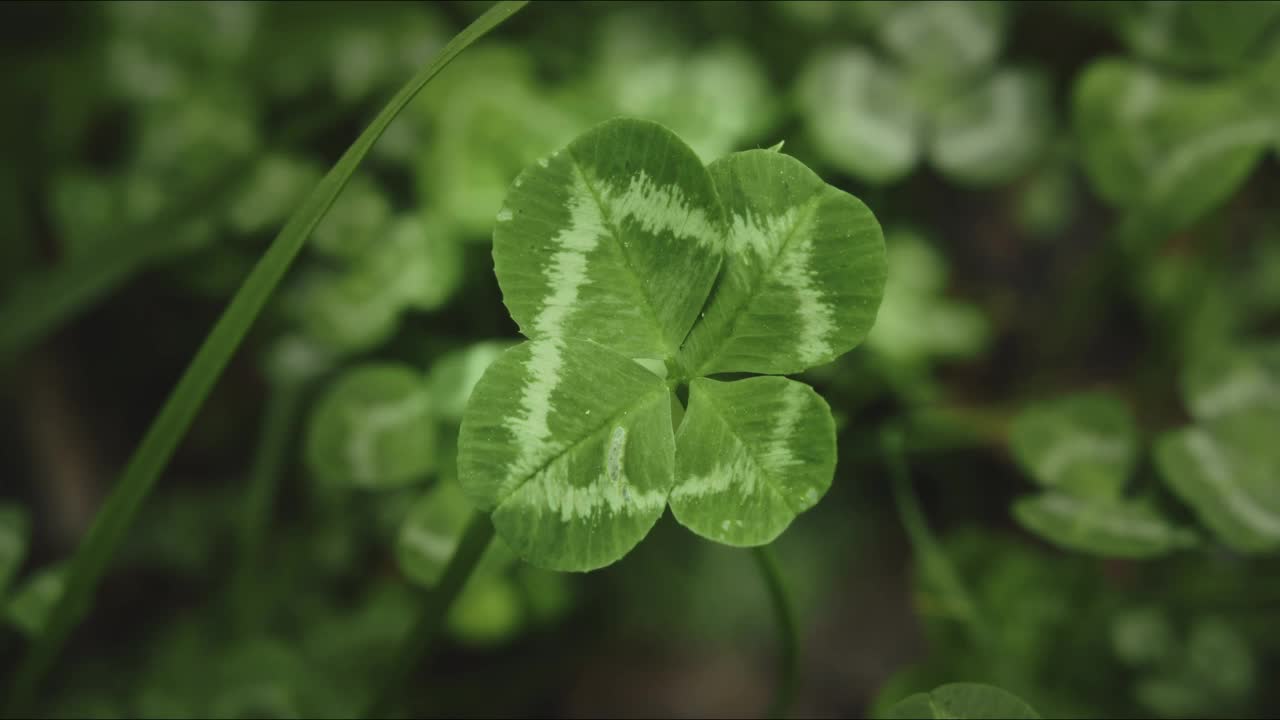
x,y
1082,449
936,95
607,253
917,323
715,98
1225,465
498,599
1184,672
1167,150
963,700
455,374
373,428
484,119
1195,34
412,263
28,606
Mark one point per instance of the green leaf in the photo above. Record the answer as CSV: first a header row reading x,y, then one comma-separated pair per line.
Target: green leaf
x,y
713,99
616,239
358,218
417,260
1108,528
373,428
15,527
1221,657
1084,445
1168,150
430,533
994,132
1195,34
455,375
1226,470
345,312
1143,636
803,275
488,118
1222,382
570,447
278,184
944,38
751,455
33,601
916,321
963,700
858,116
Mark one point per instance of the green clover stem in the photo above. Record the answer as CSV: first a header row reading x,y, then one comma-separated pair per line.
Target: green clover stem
x,y
933,561
113,521
435,608
788,631
284,401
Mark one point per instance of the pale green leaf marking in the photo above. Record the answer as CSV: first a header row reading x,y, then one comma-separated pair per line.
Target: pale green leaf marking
x,y
373,428
1224,382
969,701
1226,470
1101,527
570,446
616,239
15,528
431,532
750,456
803,276
1084,445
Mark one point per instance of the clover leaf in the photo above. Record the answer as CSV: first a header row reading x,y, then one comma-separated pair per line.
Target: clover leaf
x,y
936,94
31,602
1225,465
1082,449
634,269
962,700
373,428
1168,150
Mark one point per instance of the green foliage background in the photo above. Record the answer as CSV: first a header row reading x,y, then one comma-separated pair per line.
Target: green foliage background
x,y
1079,204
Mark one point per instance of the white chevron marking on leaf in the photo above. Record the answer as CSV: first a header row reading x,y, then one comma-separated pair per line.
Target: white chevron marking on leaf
x,y
1218,472
661,208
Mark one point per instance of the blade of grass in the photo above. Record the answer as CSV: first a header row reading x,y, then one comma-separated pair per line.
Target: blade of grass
x,y
152,455
788,632
435,607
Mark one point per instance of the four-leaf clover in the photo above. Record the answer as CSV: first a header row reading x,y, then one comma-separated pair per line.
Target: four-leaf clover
x,y
634,269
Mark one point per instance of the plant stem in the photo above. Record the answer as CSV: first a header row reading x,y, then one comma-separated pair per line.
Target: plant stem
x,y
152,455
475,539
935,563
279,419
788,632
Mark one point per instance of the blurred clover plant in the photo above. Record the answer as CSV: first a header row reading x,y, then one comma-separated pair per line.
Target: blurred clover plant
x,y
935,93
